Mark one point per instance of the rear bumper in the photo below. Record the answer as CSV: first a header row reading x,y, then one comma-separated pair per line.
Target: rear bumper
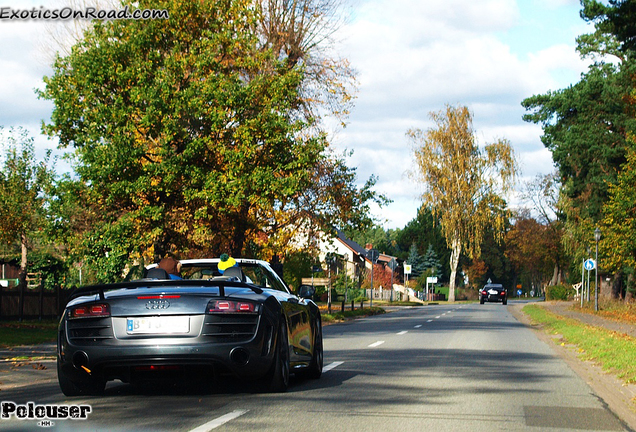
x,y
494,298
123,359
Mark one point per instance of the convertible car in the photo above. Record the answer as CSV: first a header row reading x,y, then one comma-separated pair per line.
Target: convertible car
x,y
241,321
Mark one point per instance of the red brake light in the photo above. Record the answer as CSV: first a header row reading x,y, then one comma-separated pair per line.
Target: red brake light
x,y
225,306
90,311
245,307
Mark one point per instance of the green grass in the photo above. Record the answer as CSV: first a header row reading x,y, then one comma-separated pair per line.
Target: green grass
x,y
614,352
14,333
342,316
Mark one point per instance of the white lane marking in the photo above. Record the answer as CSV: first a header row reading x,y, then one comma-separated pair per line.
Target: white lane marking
x,y
331,366
213,424
418,326
449,312
429,321
438,317
375,344
402,333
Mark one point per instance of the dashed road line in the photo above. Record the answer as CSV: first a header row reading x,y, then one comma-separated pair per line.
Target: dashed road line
x,y
375,344
331,366
438,317
402,332
220,421
418,326
431,320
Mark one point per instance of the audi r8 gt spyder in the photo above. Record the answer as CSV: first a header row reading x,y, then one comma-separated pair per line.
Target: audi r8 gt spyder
x,y
493,293
241,321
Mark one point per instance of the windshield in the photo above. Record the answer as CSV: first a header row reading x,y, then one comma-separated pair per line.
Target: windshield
x,y
254,274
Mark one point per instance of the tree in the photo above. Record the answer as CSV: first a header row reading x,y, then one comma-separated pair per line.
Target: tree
x,y
24,183
615,29
425,230
528,247
189,136
463,183
431,263
543,193
618,246
302,31
416,262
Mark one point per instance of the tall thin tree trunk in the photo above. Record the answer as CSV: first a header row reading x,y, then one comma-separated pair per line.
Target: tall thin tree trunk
x,y
23,260
454,262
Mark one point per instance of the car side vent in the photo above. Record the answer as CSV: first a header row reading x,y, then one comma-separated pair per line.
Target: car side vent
x,y
230,327
88,331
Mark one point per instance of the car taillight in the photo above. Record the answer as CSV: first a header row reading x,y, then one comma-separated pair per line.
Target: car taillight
x,y
90,311
484,292
227,306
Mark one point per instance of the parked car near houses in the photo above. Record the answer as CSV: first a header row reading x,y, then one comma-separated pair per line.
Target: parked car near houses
x,y
493,293
242,321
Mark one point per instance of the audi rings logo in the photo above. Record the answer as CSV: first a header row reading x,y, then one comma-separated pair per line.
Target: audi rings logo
x,y
157,304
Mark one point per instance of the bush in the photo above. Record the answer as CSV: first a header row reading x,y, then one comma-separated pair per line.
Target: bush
x,y
559,292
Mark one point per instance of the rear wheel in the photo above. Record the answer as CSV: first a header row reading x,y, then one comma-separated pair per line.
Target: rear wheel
x,y
481,300
314,371
505,301
277,379
89,386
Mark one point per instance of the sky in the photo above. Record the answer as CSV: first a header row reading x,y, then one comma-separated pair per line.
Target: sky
x,y
412,57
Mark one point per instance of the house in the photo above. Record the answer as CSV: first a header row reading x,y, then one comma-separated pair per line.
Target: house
x,y
354,257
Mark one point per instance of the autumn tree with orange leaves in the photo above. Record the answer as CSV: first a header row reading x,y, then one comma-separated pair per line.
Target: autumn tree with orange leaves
x,y
464,183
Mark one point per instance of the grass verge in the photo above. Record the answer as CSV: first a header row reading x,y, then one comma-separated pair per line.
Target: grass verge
x,y
343,316
614,352
14,333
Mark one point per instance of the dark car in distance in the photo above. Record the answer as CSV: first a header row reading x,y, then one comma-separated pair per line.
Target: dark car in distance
x,y
243,322
493,293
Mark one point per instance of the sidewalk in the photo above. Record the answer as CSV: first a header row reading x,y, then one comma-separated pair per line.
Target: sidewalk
x,y
565,309
27,365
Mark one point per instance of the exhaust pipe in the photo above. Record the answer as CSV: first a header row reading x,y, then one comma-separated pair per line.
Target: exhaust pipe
x,y
80,361
239,356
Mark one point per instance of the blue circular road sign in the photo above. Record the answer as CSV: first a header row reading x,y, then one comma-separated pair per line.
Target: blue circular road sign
x,y
589,264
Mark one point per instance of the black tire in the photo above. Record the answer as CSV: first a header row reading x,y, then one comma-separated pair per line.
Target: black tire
x,y
481,301
89,387
505,301
314,370
277,379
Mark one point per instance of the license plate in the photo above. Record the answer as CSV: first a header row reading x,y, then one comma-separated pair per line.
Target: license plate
x,y
158,325
493,292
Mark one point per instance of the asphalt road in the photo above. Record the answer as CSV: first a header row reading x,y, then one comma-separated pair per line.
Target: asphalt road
x,y
448,368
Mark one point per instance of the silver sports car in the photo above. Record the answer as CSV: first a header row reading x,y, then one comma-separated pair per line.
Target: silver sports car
x,y
242,321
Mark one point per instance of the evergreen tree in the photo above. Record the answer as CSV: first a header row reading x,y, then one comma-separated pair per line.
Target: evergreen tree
x,y
416,262
432,263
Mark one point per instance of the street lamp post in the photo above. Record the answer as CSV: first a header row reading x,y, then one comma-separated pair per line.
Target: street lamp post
x,y
597,237
346,269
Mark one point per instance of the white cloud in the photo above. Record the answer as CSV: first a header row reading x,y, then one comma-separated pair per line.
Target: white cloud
x,y
414,57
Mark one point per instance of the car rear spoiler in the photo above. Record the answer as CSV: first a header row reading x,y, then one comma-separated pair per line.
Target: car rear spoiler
x,y
152,283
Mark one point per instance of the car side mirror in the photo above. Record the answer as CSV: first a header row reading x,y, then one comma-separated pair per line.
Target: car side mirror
x,y
306,291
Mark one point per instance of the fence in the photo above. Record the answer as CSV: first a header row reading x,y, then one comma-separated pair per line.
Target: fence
x,y
33,302
384,294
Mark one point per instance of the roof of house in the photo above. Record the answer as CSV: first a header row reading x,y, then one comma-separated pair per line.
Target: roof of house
x,y
351,244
